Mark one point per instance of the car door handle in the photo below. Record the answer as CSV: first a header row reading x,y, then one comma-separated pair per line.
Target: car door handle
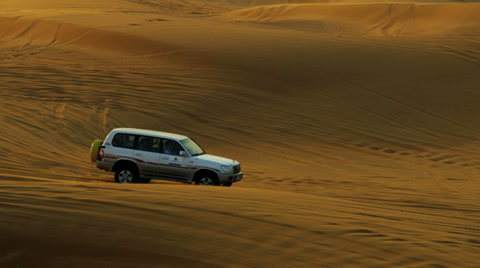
x,y
165,158
138,154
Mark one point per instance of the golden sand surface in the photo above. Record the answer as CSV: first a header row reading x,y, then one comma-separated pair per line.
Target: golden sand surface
x,y
357,125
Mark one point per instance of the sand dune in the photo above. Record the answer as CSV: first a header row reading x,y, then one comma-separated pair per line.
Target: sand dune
x,y
245,3
356,125
45,33
377,18
175,225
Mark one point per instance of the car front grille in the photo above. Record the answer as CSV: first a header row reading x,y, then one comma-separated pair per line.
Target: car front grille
x,y
237,169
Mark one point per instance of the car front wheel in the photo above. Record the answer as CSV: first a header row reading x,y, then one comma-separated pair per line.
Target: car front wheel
x,y
125,175
206,180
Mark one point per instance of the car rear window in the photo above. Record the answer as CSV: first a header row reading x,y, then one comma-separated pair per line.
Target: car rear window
x,y
124,140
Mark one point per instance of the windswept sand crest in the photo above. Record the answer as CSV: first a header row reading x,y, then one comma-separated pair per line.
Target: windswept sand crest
x,y
60,7
250,3
43,33
374,18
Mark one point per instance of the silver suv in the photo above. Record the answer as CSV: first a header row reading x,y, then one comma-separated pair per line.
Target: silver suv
x,y
138,155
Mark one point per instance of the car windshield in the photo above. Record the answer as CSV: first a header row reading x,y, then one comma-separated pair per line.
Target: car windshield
x,y
192,147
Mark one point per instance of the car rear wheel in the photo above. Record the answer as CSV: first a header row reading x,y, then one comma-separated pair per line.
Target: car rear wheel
x,y
228,184
125,175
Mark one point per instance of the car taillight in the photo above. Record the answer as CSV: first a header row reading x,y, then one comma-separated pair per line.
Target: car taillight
x,y
100,154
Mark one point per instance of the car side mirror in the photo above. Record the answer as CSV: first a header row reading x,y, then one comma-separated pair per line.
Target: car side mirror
x,y
183,153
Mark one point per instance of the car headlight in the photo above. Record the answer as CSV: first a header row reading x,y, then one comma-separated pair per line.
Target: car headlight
x,y
227,169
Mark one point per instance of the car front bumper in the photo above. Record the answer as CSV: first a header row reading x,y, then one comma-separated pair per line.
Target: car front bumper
x,y
230,178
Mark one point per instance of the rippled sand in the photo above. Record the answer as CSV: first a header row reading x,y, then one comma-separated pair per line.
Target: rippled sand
x,y
356,123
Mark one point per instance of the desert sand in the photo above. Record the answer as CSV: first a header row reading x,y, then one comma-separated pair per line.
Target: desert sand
x,y
357,125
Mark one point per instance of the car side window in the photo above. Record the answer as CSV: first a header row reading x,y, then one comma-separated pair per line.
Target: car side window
x,y
149,144
171,147
124,140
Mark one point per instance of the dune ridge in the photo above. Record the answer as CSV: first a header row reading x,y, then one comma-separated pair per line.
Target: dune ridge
x,y
44,33
278,2
388,19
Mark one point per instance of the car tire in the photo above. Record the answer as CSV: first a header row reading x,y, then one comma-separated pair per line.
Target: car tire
x,y
94,149
228,184
206,179
125,175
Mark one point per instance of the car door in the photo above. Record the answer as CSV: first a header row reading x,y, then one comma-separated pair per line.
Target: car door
x,y
172,165
147,155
